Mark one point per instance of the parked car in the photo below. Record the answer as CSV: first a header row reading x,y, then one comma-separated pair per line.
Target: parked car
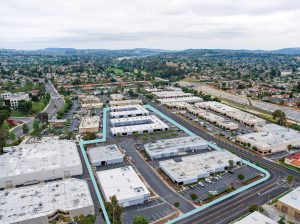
x,y
201,184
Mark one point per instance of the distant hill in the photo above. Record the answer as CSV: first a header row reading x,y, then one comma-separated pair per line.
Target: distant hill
x,y
287,51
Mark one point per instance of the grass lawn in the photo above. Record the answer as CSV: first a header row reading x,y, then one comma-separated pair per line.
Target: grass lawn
x,y
289,166
17,114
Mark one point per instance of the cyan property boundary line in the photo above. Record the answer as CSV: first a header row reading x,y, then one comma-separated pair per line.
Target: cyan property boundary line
x,y
94,182
185,215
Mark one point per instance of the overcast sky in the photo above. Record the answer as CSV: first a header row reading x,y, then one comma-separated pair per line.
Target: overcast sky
x,y
166,24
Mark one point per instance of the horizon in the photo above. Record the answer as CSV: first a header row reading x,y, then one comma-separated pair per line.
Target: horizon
x,y
173,25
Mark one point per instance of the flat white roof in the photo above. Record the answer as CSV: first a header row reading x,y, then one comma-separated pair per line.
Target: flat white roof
x,y
171,94
125,102
38,157
140,123
188,99
25,203
190,167
104,153
174,144
122,182
127,110
90,122
292,199
256,218
116,96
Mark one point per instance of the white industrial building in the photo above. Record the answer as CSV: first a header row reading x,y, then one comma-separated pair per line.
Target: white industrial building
x,y
125,102
128,111
174,146
116,96
188,99
31,163
14,98
256,218
43,203
89,124
270,138
125,184
139,124
236,114
215,119
192,168
290,203
171,94
178,105
105,155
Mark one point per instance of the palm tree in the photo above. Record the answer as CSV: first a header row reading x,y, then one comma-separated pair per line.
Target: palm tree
x,y
290,179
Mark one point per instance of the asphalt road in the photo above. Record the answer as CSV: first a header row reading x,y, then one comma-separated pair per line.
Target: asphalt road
x,y
232,208
55,104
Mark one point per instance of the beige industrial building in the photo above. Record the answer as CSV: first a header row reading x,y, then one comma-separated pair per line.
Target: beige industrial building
x,y
212,118
116,97
89,124
290,203
90,101
236,114
256,218
270,138
125,102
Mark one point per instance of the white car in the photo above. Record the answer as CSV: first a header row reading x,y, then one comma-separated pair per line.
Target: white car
x,y
201,184
213,192
208,180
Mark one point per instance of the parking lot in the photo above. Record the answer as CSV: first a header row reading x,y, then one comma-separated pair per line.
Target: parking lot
x,y
219,185
153,210
243,129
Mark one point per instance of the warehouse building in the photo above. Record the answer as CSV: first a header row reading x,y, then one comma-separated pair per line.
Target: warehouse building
x,y
192,168
31,163
188,99
215,119
256,218
174,146
44,203
290,203
89,124
128,111
90,102
178,105
171,94
105,155
125,184
125,102
270,138
236,114
139,124
116,97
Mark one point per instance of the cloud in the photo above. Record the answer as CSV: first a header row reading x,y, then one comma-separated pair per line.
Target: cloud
x,y
171,24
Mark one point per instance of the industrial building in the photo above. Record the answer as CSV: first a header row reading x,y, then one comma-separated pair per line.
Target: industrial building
x,y
125,184
139,124
89,124
236,114
215,119
256,218
44,203
293,160
31,163
90,101
105,155
128,111
290,203
125,102
270,138
192,168
14,98
116,97
171,94
174,146
178,105
188,99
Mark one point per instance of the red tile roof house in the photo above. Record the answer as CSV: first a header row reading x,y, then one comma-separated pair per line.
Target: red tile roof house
x,y
293,159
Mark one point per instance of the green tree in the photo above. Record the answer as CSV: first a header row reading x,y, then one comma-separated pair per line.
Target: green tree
x,y
140,220
114,210
4,115
3,138
25,128
254,207
89,136
176,204
281,220
11,136
25,106
241,176
230,163
279,116
193,196
290,179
